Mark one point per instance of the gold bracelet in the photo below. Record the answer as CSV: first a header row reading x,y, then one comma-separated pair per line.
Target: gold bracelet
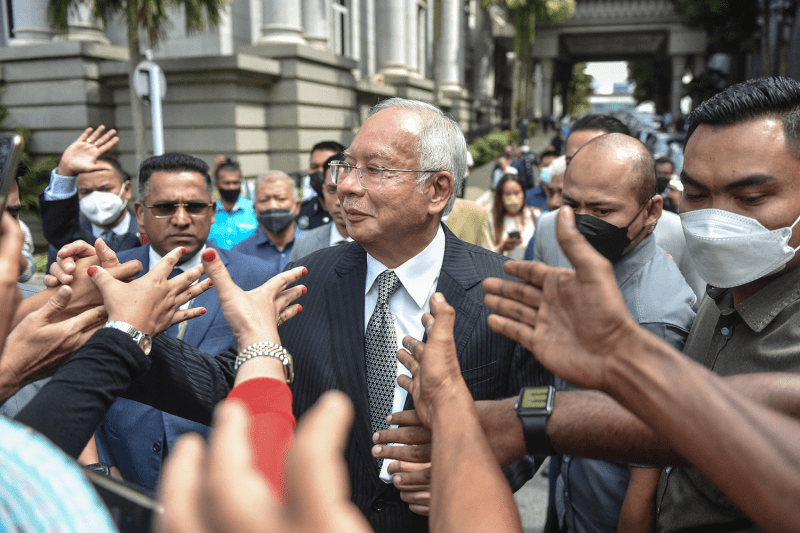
x,y
268,349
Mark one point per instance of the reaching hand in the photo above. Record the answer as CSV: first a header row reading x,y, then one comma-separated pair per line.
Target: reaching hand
x,y
434,364
254,316
39,344
10,268
150,303
572,321
214,489
62,271
81,156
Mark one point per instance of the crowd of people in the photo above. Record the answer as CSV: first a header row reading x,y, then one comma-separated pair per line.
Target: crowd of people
x,y
430,368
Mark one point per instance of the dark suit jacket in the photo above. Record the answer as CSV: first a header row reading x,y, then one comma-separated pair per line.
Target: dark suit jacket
x,y
327,342
135,437
62,223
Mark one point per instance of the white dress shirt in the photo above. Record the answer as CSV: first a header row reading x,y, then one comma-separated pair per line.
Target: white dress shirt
x,y
336,237
193,262
419,276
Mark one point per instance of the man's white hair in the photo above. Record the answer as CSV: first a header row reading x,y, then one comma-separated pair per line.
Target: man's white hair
x,y
277,175
441,144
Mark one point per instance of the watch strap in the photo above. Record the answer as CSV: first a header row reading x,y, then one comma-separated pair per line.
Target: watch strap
x,y
534,407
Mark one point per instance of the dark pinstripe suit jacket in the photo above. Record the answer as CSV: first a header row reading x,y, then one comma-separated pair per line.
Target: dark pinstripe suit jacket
x,y
327,342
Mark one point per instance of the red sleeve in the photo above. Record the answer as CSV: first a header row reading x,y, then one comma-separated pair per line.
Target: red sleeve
x,y
269,405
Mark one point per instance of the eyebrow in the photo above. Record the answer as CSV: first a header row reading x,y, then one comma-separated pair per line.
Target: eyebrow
x,y
749,181
568,198
374,154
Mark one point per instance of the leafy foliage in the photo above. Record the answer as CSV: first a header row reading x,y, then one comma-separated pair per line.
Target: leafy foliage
x,y
727,23
489,147
579,91
152,15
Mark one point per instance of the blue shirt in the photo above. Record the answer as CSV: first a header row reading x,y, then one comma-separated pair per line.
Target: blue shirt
x,y
259,245
536,197
232,227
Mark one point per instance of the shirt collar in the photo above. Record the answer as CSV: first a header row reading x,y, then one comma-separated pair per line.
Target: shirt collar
x,y
120,229
236,207
761,308
418,273
193,262
336,237
629,263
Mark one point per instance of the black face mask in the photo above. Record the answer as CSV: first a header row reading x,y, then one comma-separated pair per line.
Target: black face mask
x,y
606,238
275,220
229,195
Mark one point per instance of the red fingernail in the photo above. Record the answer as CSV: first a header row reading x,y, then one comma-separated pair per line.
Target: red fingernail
x,y
183,251
305,290
209,255
299,309
91,271
210,284
305,271
202,311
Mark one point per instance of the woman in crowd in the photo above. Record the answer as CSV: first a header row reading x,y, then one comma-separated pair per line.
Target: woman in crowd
x,y
512,221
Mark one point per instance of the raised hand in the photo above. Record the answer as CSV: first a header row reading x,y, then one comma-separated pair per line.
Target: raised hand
x,y
39,344
203,486
61,272
572,321
254,316
151,303
81,156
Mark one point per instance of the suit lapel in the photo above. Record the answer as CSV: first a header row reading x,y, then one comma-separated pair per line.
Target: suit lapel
x,y
345,299
197,328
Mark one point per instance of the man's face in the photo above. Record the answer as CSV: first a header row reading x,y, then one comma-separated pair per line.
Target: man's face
x,y
105,180
330,200
577,139
546,160
229,180
180,229
664,170
396,215
601,183
318,158
749,169
276,194
553,191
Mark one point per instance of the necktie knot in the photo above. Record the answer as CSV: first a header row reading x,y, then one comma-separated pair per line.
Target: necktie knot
x,y
388,282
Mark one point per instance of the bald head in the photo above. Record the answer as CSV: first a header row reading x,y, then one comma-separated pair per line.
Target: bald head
x,y
625,151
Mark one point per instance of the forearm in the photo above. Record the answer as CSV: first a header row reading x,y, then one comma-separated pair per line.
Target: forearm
x,y
71,405
749,451
460,454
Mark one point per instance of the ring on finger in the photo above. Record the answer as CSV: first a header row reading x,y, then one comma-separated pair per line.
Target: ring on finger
x,y
280,320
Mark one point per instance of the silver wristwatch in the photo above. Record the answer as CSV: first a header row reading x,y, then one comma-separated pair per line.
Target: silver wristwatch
x,y
141,339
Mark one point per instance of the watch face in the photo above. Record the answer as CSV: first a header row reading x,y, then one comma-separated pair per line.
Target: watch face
x,y
535,400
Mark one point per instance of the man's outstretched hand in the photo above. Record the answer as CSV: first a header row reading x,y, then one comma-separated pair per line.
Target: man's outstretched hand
x,y
572,321
81,156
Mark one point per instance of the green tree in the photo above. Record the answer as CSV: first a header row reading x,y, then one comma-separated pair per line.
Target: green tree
x,y
579,91
523,15
151,16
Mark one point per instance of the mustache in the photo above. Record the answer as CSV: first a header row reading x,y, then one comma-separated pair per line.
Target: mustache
x,y
350,204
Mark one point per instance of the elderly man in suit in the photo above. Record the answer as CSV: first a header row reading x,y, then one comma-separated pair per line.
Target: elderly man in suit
x,y
332,233
176,210
363,297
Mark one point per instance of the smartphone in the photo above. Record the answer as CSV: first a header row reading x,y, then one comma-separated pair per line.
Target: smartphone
x,y
513,234
131,507
10,151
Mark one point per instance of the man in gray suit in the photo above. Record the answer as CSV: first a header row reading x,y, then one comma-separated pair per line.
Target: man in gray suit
x,y
332,233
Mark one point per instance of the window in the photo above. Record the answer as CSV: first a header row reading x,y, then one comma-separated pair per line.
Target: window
x,y
340,27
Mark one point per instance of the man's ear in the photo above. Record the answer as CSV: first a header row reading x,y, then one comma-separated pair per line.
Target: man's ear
x,y
296,208
442,188
653,213
139,210
127,186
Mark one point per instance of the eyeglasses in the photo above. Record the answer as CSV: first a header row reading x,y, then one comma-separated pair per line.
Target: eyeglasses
x,y
370,177
168,209
14,210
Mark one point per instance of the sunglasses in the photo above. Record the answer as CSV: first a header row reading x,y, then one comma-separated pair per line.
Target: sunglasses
x,y
168,209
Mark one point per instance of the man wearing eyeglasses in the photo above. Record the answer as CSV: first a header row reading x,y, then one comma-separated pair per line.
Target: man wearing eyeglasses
x,y
175,211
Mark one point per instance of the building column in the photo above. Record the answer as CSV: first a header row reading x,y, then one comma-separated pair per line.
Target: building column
x,y
412,38
452,57
678,70
31,24
282,22
316,21
547,86
392,22
83,26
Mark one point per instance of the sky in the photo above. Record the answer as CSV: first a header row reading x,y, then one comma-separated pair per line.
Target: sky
x,y
606,74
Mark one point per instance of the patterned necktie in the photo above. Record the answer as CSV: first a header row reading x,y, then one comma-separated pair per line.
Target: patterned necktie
x,y
380,347
110,238
173,330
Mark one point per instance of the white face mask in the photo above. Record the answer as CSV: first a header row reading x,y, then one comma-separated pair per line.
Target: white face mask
x,y
103,208
731,250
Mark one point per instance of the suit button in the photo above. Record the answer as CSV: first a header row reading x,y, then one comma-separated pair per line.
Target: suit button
x,y
157,447
378,504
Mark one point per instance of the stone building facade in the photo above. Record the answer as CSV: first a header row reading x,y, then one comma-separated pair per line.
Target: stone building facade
x,y
274,78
